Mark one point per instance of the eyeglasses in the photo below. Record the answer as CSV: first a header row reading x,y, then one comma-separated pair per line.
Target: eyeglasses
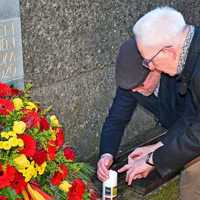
x,y
146,62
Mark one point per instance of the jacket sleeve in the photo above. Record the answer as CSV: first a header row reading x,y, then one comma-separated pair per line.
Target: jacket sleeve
x,y
184,147
119,115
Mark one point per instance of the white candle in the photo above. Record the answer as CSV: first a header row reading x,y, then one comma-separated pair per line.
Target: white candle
x,y
110,186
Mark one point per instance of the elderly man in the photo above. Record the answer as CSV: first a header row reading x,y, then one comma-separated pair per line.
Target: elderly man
x,y
168,45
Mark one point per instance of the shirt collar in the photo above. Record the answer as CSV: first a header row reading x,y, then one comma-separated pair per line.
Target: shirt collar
x,y
185,48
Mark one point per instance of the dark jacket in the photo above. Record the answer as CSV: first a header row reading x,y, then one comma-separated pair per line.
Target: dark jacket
x,y
182,142
179,104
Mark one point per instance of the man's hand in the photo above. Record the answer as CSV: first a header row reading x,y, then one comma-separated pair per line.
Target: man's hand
x,y
142,151
150,84
103,166
136,170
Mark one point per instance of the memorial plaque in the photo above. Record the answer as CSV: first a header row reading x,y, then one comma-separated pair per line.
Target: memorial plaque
x,y
11,58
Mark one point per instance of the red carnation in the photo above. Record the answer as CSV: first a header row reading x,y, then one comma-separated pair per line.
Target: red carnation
x,y
40,156
15,92
31,118
29,145
60,137
3,198
59,176
51,149
7,176
18,184
4,180
77,190
5,90
44,124
69,154
10,172
6,107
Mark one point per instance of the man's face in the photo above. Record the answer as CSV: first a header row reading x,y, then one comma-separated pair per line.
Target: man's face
x,y
162,59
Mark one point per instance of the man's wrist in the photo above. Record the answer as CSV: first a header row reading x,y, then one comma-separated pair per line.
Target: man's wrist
x,y
158,145
107,155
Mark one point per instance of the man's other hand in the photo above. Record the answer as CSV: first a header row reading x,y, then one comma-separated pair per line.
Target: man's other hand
x,y
103,166
142,151
136,170
150,84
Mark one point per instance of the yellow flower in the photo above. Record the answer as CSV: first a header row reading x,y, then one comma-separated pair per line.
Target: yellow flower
x,y
18,103
21,162
54,121
41,168
19,127
20,142
30,172
53,134
31,106
13,141
12,134
8,134
6,145
5,135
65,186
1,144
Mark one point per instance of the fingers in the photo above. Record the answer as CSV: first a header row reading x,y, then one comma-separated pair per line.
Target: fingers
x,y
103,168
131,176
124,168
135,154
102,176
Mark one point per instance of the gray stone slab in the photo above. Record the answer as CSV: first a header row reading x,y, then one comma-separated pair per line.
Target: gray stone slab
x,y
11,60
82,107
69,55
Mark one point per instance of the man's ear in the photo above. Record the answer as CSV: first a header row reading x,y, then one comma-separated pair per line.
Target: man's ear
x,y
170,51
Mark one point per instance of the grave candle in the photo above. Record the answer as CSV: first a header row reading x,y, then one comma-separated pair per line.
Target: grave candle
x,y
110,186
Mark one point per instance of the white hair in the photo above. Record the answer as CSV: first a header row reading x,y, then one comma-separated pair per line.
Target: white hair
x,y
159,26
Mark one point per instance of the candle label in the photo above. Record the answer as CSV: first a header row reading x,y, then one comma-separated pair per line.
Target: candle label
x,y
111,193
107,191
114,191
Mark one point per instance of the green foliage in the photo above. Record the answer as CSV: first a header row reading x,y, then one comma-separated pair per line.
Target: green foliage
x,y
41,137
86,196
10,193
9,119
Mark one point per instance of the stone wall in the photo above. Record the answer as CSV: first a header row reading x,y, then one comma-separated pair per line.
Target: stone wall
x,y
70,48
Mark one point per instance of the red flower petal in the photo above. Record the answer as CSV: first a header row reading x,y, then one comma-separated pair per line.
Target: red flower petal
x,y
5,90
3,198
51,150
15,92
59,176
18,184
44,125
31,118
60,137
56,179
4,180
10,172
69,154
77,190
29,145
6,106
63,170
40,156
